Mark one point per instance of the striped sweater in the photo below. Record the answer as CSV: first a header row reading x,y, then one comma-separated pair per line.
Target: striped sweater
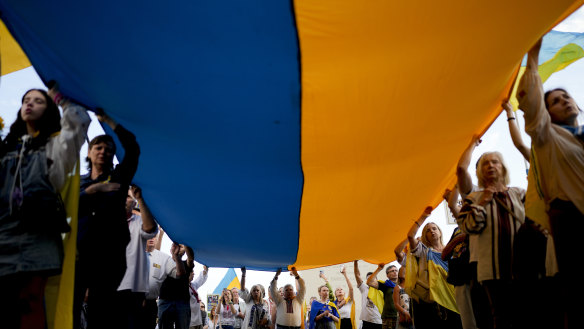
x,y
492,230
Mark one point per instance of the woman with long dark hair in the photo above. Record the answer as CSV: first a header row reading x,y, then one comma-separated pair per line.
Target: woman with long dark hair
x,y
38,153
551,119
225,312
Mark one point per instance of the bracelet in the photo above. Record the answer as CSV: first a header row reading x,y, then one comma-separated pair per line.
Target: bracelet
x,y
511,118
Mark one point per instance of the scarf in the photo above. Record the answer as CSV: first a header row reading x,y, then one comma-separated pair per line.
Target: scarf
x,y
506,232
195,294
389,283
257,314
578,132
318,307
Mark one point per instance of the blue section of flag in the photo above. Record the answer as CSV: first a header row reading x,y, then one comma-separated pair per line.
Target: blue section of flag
x,y
211,89
436,258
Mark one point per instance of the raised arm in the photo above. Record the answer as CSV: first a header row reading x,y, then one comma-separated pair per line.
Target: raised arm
x,y
328,285
301,285
159,240
357,273
464,180
65,147
106,119
344,271
148,221
201,278
371,282
273,289
451,197
399,250
180,268
243,278
514,131
533,56
530,95
190,257
125,170
417,224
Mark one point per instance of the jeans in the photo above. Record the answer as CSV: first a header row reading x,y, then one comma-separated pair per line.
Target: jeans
x,y
224,327
174,314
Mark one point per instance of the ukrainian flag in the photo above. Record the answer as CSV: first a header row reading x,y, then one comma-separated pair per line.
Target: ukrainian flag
x,y
441,291
277,116
229,281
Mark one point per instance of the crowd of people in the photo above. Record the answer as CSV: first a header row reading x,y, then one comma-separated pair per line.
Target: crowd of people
x,y
485,276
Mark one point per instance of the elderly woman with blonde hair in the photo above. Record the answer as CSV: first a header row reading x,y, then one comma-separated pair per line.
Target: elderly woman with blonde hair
x,y
257,310
492,217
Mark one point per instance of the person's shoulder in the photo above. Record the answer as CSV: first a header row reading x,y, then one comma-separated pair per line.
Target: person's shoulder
x,y
474,194
160,254
381,286
517,190
85,179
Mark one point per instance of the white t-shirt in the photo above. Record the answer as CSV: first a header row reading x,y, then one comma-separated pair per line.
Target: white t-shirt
x,y
369,311
345,311
161,266
226,317
137,264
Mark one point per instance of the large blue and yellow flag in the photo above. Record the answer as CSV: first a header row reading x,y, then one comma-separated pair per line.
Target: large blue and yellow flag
x,y
59,289
230,280
441,291
270,118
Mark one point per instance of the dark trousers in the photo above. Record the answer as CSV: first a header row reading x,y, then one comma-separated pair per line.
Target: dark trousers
x,y
565,221
149,314
22,301
346,323
174,314
434,316
371,325
104,307
132,303
503,300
